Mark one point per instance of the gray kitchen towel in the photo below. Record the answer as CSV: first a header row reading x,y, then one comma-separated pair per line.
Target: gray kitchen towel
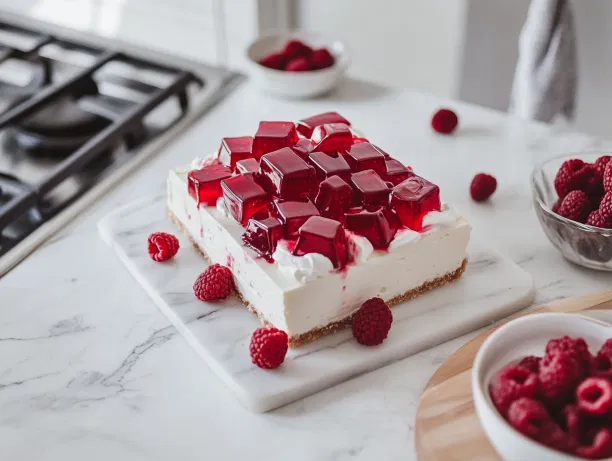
x,y
546,72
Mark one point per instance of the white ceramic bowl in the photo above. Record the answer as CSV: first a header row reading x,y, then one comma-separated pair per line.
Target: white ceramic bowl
x,y
518,338
296,85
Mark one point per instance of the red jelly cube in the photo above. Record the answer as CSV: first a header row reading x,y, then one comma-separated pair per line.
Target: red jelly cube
x,y
244,198
412,199
324,236
327,165
288,176
263,234
395,171
294,213
307,125
387,156
370,189
332,137
364,156
233,150
378,226
247,166
204,185
273,136
303,148
334,197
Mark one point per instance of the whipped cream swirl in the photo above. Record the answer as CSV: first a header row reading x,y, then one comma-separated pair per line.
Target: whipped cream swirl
x,y
302,268
200,162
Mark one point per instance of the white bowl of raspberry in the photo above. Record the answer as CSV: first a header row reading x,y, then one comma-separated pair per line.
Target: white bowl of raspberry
x,y
297,65
572,195
539,392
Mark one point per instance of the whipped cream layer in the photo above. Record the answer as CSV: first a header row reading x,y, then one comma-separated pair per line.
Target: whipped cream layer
x,y
301,293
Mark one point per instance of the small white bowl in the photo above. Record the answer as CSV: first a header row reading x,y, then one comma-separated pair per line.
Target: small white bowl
x,y
511,342
296,85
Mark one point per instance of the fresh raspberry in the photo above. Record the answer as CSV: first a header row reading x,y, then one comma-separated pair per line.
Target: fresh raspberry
x,y
573,421
531,362
510,384
596,220
606,349
530,417
274,61
575,206
297,49
482,187
593,185
559,374
268,347
162,246
556,206
601,366
594,396
571,176
600,447
444,121
600,164
607,178
554,437
215,283
372,322
321,59
577,347
605,207
298,65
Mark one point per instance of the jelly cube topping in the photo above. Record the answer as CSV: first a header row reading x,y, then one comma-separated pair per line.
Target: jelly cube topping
x,y
364,156
332,137
370,189
307,125
273,136
412,199
294,213
263,234
327,165
244,198
233,150
378,226
334,197
324,236
288,176
303,148
204,185
247,166
395,171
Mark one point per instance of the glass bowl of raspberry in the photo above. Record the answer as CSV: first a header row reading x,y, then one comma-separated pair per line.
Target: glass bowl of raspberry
x,y
572,196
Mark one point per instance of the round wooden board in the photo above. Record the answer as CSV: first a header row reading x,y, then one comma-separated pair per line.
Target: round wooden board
x,y
447,427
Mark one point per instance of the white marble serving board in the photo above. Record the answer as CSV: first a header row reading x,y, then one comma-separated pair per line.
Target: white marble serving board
x,y
493,287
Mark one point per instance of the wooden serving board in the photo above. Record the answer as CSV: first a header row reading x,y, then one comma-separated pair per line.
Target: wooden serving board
x,y
447,427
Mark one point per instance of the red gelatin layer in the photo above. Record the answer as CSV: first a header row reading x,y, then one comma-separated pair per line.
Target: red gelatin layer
x,y
303,148
294,213
412,199
370,189
288,176
233,150
263,234
273,136
332,137
327,165
204,185
395,171
247,166
324,236
244,198
307,125
364,156
334,197
378,226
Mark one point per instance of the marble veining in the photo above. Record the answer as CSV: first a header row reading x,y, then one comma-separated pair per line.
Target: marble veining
x,y
54,404
492,288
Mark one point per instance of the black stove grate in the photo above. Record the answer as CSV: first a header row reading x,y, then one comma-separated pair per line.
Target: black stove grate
x,y
24,204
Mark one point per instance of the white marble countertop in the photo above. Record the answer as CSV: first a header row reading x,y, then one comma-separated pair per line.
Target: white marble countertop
x,y
90,369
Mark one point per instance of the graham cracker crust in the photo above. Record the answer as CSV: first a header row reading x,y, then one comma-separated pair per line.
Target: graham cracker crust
x,y
316,333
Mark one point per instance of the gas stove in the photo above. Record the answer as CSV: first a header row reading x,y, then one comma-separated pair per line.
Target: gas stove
x,y
77,113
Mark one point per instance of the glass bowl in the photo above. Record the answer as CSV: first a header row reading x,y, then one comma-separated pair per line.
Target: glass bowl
x,y
582,244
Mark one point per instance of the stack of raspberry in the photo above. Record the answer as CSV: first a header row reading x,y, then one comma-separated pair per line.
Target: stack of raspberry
x,y
562,400
585,191
296,56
